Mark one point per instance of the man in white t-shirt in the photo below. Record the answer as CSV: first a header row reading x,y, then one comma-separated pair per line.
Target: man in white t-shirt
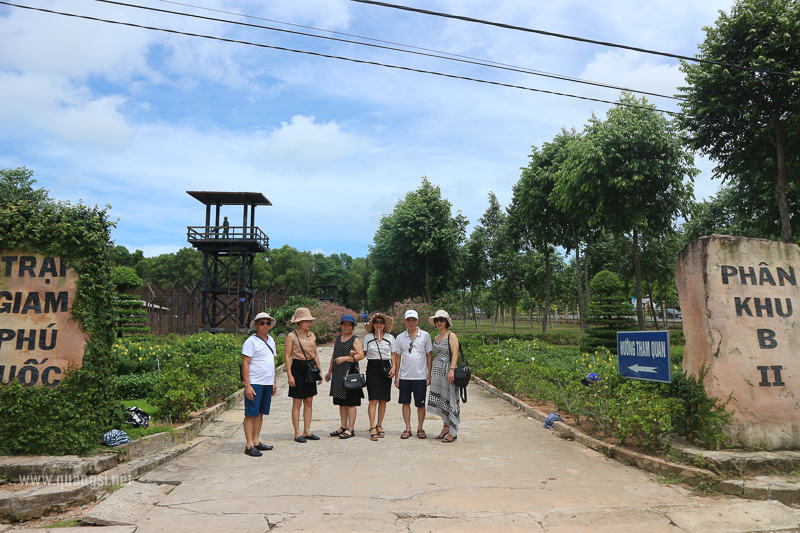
x,y
415,353
258,374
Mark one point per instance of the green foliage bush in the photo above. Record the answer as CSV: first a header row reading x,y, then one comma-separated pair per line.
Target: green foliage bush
x,y
608,312
283,314
134,386
71,418
131,317
183,374
125,279
484,339
644,412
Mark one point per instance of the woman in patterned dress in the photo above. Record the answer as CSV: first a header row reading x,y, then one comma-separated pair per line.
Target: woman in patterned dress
x,y
443,399
346,354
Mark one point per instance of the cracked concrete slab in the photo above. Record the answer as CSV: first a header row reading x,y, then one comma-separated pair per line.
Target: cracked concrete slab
x,y
249,523
507,523
127,505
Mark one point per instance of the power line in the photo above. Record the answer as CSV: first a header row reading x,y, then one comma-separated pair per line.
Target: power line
x,y
564,36
479,62
328,56
564,76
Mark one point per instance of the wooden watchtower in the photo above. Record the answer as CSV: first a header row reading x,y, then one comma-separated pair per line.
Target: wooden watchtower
x,y
229,254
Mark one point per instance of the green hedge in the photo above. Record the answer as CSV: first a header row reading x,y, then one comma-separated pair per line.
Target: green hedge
x,y
643,411
560,339
135,386
71,418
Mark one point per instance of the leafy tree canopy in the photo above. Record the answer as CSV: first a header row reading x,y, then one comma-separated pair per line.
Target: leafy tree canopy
x,y
16,185
749,122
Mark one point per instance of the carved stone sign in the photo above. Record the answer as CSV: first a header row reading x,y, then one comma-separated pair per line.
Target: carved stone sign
x,y
38,338
739,304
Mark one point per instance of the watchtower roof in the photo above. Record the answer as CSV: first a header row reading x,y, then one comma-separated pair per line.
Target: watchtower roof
x,y
229,198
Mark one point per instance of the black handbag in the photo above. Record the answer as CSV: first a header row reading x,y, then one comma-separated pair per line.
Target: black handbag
x,y
313,374
354,380
461,374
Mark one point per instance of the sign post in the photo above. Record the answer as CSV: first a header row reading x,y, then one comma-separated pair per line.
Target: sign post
x,y
644,355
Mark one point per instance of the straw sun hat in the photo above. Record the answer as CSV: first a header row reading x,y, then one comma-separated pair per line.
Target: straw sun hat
x,y
441,313
302,313
387,319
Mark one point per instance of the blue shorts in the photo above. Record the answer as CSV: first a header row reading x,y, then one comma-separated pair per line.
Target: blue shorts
x,y
260,403
418,386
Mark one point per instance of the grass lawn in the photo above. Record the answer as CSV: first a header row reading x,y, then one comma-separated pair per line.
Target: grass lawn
x,y
485,326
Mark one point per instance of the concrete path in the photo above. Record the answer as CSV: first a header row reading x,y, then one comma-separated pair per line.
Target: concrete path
x,y
504,473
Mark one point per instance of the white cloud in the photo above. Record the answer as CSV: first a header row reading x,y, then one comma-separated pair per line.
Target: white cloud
x,y
306,146
56,106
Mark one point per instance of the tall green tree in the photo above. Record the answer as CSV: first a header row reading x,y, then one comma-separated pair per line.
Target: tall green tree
x,y
535,217
475,267
17,185
415,246
749,122
495,243
629,174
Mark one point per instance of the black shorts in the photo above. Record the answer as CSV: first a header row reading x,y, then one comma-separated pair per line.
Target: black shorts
x,y
417,386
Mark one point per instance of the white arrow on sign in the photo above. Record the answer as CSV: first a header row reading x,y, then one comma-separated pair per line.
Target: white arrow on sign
x,y
637,369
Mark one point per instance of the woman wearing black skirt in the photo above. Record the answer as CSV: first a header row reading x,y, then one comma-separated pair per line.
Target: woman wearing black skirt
x,y
301,351
346,354
381,367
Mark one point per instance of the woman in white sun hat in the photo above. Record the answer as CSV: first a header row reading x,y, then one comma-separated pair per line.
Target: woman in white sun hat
x,y
301,354
258,375
443,399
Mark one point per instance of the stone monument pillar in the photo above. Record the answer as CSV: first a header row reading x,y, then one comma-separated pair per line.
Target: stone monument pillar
x,y
737,303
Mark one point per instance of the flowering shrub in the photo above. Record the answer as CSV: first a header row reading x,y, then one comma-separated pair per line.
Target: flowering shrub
x,y
328,314
644,412
189,372
425,310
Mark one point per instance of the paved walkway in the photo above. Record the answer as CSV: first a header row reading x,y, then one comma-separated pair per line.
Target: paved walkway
x,y
504,473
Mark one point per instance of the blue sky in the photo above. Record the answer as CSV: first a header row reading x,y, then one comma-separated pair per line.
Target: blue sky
x,y
134,118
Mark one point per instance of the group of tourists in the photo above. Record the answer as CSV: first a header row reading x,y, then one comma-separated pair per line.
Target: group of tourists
x,y
413,362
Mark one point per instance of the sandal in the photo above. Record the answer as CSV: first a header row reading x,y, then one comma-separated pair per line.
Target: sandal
x,y
347,433
373,436
449,438
445,431
421,434
406,434
381,434
338,432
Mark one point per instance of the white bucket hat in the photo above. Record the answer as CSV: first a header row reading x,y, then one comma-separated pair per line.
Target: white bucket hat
x,y
441,313
259,316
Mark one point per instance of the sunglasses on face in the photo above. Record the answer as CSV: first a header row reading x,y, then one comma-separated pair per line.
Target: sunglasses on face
x,y
377,322
439,319
263,323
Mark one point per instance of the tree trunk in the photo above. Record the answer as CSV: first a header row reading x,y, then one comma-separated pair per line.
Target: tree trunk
x,y
637,269
427,281
514,317
652,306
587,296
780,186
576,243
474,314
496,313
546,286
463,308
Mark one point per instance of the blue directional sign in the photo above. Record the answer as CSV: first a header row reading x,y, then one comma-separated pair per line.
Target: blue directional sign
x,y
644,355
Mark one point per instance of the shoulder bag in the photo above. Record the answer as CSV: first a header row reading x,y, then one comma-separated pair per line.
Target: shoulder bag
x,y
313,374
461,373
386,369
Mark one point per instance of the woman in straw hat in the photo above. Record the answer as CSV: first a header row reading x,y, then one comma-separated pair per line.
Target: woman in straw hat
x,y
381,367
443,399
301,352
346,354
258,375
